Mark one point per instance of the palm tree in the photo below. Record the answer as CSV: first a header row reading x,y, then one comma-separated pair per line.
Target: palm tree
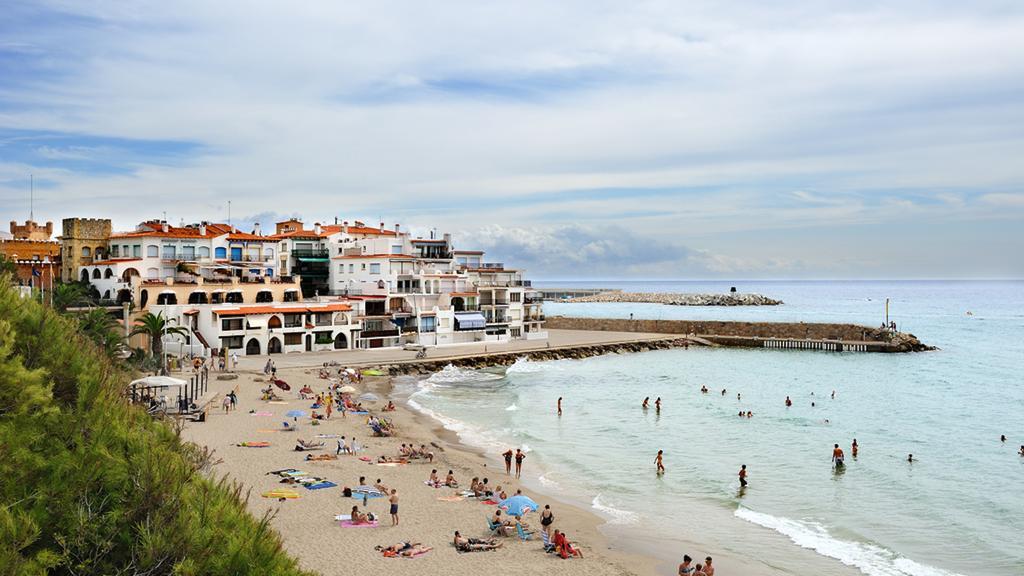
x,y
68,296
101,328
155,326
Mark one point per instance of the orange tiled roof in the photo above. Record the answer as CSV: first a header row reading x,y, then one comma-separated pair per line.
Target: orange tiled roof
x,y
251,310
155,229
251,237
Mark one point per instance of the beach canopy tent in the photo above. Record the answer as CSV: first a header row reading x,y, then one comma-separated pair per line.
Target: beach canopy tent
x,y
158,382
470,321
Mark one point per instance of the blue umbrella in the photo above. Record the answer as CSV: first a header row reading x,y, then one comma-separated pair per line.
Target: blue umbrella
x,y
295,413
518,504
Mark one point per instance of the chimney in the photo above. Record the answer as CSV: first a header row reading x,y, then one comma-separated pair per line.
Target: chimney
x,y
335,220
202,228
397,226
381,226
344,226
316,228
447,238
256,229
163,226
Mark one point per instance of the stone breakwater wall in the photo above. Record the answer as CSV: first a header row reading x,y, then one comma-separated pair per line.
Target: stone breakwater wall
x,y
508,358
748,334
671,299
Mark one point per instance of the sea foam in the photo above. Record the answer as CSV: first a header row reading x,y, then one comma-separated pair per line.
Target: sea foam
x,y
868,558
615,515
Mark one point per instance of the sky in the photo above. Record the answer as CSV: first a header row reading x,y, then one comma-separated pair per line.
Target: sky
x,y
576,139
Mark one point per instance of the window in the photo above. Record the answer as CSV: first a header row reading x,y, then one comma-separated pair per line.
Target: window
x,y
268,253
293,339
323,319
364,266
153,273
136,250
86,252
231,324
516,332
291,296
428,324
234,298
323,337
169,251
217,297
292,320
515,297
188,252
220,253
231,342
396,248
351,268
375,268
204,251
114,251
152,251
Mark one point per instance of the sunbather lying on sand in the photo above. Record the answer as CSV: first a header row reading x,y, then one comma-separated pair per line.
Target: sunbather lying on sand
x,y
474,544
407,549
319,457
301,445
389,460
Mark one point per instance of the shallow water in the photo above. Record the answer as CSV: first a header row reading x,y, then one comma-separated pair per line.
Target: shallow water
x,y
956,510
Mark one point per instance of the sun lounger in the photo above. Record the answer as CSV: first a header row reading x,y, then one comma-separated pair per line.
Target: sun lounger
x,y
523,534
494,527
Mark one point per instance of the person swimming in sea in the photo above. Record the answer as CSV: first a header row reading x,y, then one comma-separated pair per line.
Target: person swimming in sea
x,y
657,404
559,405
723,391
737,396
658,461
788,402
853,448
646,403
1021,450
1002,437
910,458
837,456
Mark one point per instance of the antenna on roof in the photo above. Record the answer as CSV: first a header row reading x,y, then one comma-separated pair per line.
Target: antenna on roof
x,y
229,213
31,197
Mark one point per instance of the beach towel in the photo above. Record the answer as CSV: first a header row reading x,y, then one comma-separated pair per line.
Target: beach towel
x,y
370,495
343,517
490,502
291,473
262,430
349,524
328,435
280,494
262,414
320,457
450,498
366,459
373,372
282,471
254,444
325,484
391,463
277,402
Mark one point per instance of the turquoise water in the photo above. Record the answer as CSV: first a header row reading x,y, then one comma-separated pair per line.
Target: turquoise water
x,y
956,510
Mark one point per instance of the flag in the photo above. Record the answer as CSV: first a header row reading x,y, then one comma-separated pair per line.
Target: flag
x,y
37,272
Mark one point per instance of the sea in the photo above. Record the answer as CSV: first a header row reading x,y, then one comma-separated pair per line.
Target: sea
x,y
957,509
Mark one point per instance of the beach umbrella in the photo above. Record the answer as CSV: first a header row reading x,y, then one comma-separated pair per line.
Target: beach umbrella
x,y
295,413
154,381
518,504
347,390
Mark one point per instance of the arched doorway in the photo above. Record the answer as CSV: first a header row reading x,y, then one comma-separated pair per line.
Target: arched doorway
x,y
309,343
144,297
85,276
458,304
252,347
197,297
167,299
106,295
127,275
96,274
108,273
274,346
340,342
274,322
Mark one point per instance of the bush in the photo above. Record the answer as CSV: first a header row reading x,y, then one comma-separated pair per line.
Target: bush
x,y
92,485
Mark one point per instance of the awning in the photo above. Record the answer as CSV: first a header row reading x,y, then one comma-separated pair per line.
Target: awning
x,y
254,323
470,321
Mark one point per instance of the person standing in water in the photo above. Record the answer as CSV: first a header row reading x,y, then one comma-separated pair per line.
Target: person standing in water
x,y
743,476
559,405
853,448
508,461
837,456
788,402
658,461
519,461
657,404
647,401
910,458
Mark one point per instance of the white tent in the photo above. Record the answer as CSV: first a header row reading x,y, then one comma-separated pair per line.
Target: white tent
x,y
154,381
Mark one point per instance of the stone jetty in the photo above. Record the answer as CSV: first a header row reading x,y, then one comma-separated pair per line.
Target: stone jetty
x,y
671,299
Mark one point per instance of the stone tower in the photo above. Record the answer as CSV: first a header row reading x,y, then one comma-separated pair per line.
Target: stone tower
x,y
84,241
31,230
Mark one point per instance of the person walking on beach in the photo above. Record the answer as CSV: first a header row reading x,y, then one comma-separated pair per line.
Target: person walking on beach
x,y
394,506
837,456
743,476
853,448
520,455
234,361
508,461
647,401
559,405
658,461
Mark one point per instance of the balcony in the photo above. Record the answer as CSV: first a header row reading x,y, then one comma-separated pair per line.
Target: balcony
x,y
494,303
250,258
311,253
379,333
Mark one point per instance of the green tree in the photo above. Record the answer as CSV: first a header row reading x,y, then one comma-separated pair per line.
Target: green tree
x,y
7,266
68,296
99,326
90,484
154,326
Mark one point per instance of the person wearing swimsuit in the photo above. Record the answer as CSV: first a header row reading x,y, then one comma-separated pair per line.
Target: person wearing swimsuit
x,y
394,507
508,461
854,447
646,402
519,461
657,404
547,518
559,405
743,475
657,460
837,456
685,569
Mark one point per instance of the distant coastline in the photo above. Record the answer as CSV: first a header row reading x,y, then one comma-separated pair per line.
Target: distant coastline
x,y
677,299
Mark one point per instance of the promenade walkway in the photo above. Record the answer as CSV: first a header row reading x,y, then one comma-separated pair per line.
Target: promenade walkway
x,y
556,339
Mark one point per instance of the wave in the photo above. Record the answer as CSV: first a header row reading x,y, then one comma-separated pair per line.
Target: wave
x,y
455,375
512,408
868,558
615,515
467,433
548,482
522,365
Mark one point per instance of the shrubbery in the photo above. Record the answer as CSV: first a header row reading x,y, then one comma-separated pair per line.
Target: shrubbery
x,y
91,485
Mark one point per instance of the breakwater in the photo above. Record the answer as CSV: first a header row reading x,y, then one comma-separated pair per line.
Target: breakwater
x,y
508,358
673,299
790,335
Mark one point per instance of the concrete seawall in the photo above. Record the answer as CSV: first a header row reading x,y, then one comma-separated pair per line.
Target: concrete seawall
x,y
790,335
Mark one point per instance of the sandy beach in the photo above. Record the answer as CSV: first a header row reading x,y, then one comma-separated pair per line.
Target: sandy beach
x,y
307,524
